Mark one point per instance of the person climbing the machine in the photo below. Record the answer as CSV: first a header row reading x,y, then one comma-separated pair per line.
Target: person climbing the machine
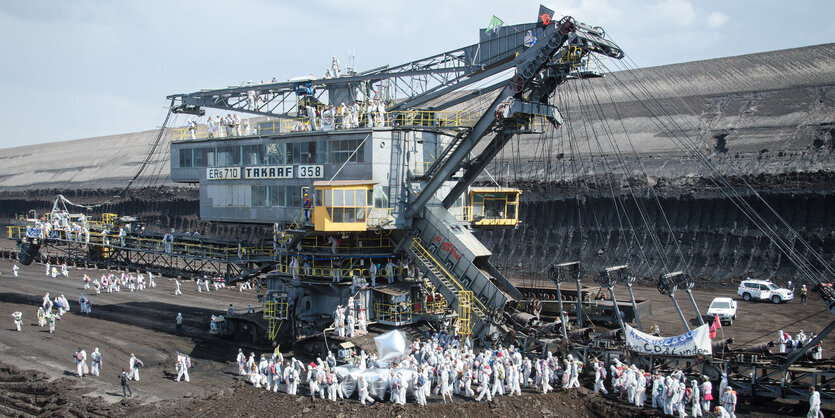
x,y
307,204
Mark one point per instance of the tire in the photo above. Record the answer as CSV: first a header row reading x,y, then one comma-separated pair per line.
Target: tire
x,y
746,296
734,317
730,322
776,299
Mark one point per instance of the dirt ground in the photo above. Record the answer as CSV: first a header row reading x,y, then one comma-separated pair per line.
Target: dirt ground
x,y
121,323
37,372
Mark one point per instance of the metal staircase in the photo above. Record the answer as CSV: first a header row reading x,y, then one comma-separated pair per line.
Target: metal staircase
x,y
442,158
452,289
441,273
454,261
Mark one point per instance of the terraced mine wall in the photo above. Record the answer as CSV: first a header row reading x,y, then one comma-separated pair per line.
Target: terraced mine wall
x,y
711,238
708,236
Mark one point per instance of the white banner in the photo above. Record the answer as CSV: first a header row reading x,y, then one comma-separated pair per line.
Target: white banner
x,y
690,344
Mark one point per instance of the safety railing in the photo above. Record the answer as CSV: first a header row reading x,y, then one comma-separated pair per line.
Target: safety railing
x,y
379,217
465,310
444,119
106,222
277,308
432,159
573,55
462,213
275,127
245,129
397,312
538,123
425,167
422,252
144,244
282,308
400,118
259,252
581,62
320,242
341,273
16,232
435,307
466,214
98,225
298,222
591,64
275,312
405,311
108,218
269,309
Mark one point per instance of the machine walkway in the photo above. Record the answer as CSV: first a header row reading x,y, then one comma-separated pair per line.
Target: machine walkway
x,y
186,256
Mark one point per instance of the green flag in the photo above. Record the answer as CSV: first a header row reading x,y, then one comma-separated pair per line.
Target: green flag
x,y
495,23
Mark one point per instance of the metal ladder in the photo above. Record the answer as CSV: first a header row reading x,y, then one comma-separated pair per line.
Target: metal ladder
x,y
465,310
275,312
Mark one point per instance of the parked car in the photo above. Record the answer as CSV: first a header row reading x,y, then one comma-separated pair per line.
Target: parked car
x,y
725,308
763,290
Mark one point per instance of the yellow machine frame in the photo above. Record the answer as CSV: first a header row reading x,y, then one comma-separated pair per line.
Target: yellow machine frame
x,y
465,312
337,201
275,312
484,199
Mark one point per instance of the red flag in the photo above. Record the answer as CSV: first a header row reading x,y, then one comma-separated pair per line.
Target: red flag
x,y
715,326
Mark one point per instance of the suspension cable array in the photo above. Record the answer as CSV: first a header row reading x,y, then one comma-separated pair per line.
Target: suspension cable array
x,y
146,161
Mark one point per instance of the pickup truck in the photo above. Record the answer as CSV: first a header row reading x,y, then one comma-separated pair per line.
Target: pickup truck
x,y
725,308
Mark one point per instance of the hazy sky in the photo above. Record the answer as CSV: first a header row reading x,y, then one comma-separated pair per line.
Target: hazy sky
x,y
77,69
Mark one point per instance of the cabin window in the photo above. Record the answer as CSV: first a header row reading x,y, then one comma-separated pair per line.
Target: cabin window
x,y
347,205
259,196
185,158
381,196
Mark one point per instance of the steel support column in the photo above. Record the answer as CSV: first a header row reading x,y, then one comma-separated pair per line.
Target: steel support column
x,y
629,281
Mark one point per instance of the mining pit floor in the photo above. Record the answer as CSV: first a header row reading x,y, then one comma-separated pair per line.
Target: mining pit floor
x,y
37,373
